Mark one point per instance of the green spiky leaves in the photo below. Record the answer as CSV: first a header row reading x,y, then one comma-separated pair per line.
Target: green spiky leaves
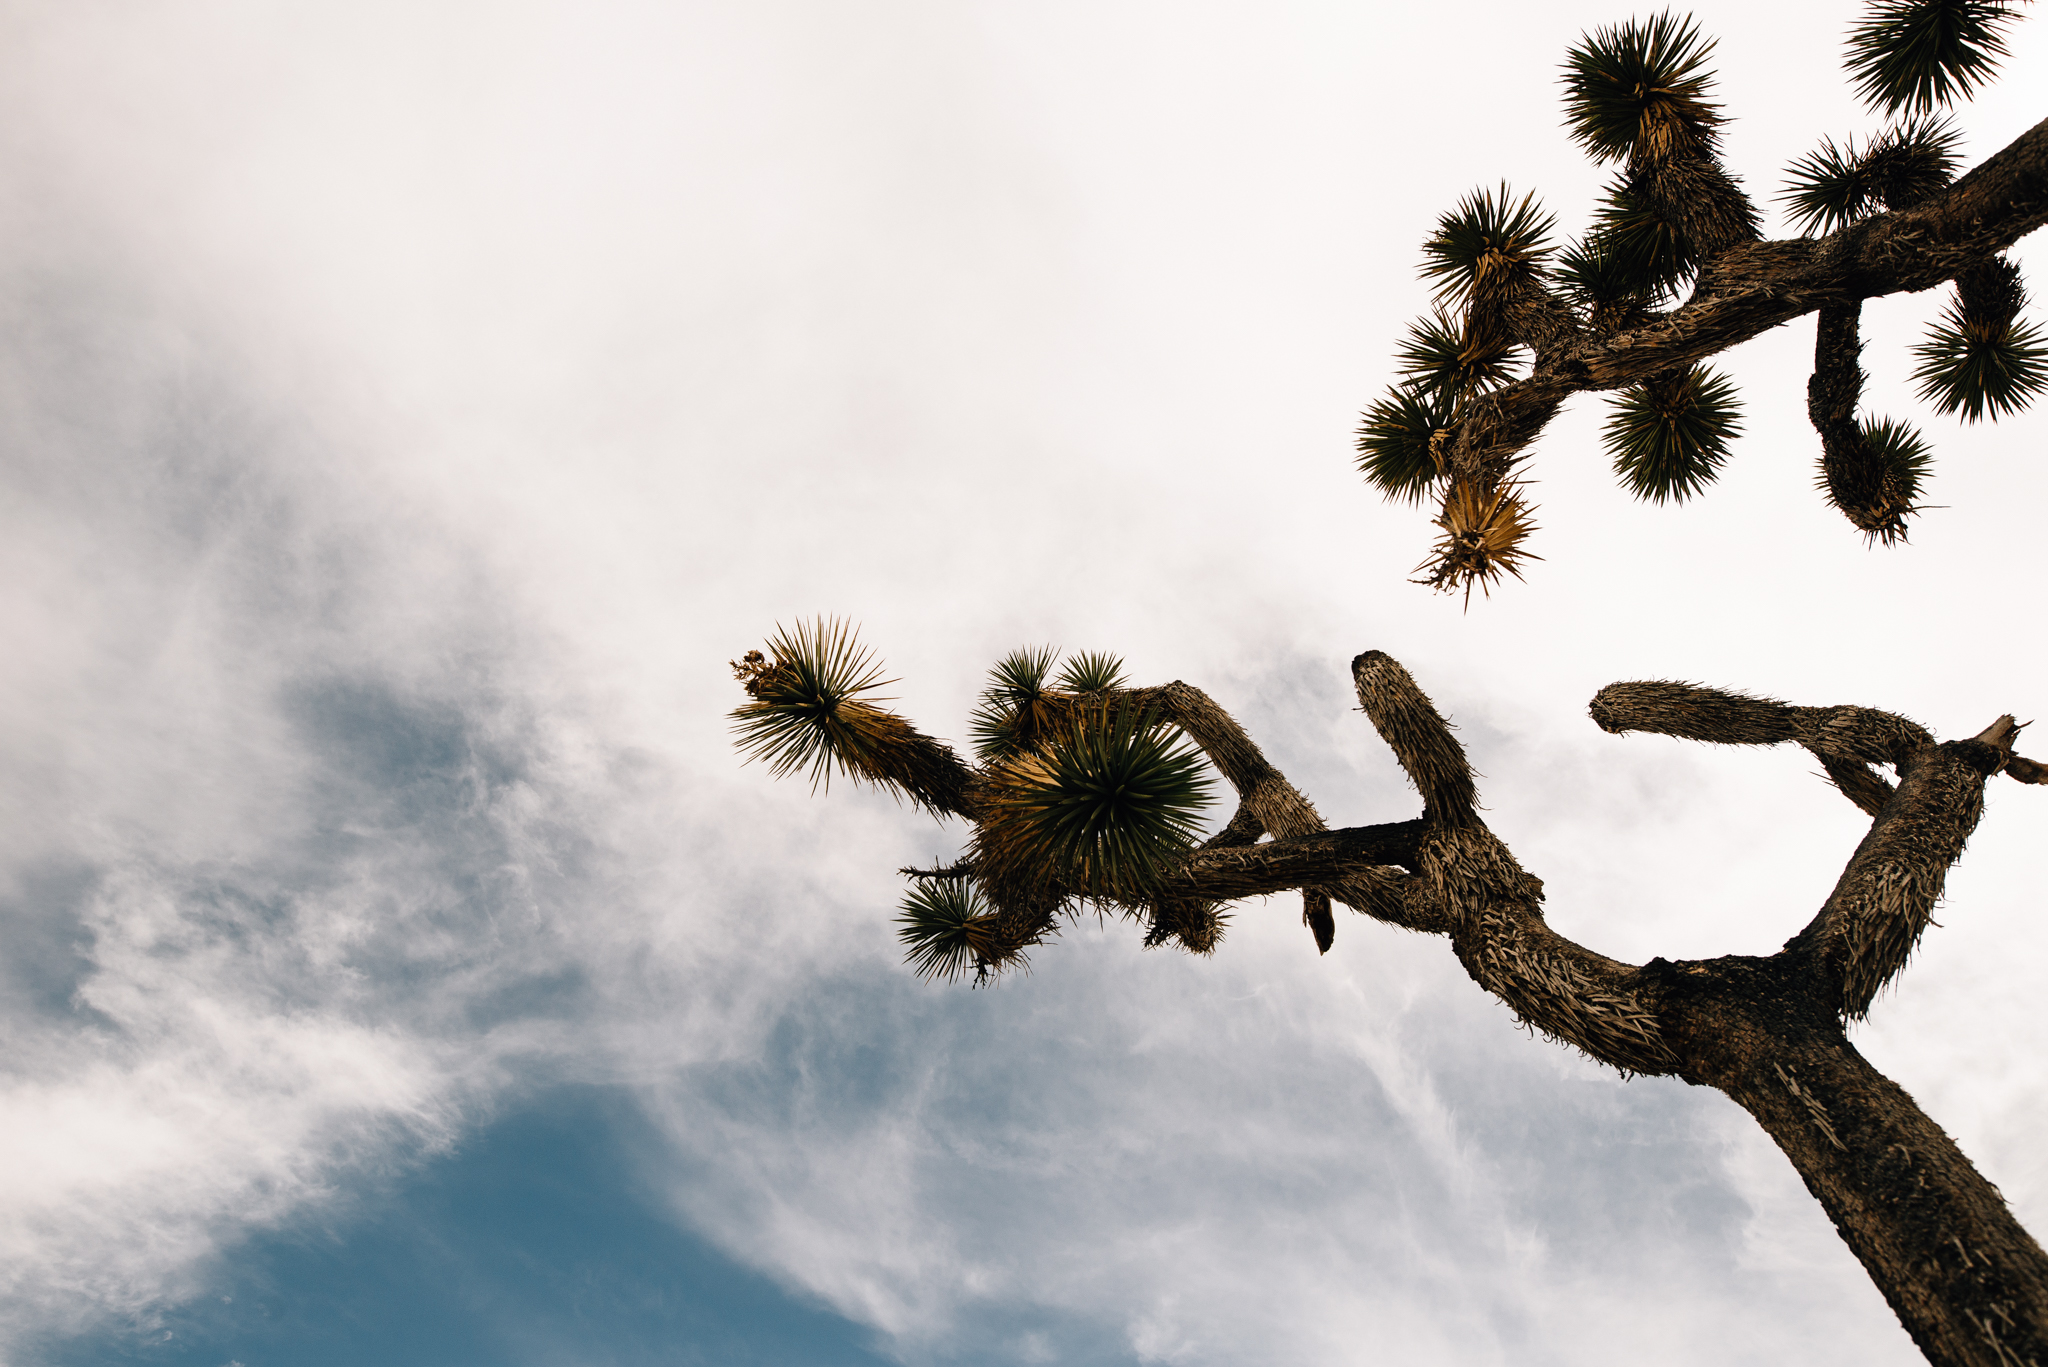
x,y
1017,706
1608,282
1835,186
1490,245
1640,87
1980,360
1874,478
1443,362
1901,453
948,930
1398,445
1019,709
1442,365
1643,251
809,712
1918,55
1092,671
1103,809
1669,435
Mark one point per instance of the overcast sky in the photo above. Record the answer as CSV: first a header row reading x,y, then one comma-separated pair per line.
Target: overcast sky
x,y
407,410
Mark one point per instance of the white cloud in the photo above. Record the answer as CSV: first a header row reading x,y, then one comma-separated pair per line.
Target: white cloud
x,y
408,411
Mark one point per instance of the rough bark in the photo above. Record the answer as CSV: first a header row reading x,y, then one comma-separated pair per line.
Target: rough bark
x,y
1966,1281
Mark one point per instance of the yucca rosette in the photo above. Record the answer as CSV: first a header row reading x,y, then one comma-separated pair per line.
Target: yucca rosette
x,y
1669,435
812,709
1103,810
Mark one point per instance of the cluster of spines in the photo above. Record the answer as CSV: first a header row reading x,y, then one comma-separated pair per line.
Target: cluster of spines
x,y
1910,59
1488,259
1080,796
1637,95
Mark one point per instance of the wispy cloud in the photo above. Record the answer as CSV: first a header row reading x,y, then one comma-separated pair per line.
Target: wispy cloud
x,y
406,414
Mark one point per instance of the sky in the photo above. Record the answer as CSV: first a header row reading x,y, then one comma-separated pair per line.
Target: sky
x,y
407,410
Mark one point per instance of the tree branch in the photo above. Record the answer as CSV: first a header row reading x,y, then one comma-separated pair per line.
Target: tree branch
x,y
1267,802
1752,287
1419,737
1854,734
1857,782
1265,796
1885,897
1490,906
1326,857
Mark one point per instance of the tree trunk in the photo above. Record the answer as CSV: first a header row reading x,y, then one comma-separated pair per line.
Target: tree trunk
x,y
1967,1282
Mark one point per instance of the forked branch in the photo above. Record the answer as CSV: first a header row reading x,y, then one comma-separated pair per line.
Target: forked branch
x,y
1766,1031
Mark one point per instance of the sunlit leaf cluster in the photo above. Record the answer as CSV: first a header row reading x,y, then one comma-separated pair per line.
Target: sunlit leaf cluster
x,y
1080,795
1481,536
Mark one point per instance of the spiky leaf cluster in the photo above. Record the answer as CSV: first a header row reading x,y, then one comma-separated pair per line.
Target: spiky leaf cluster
x,y
1443,361
1609,284
1482,536
1018,706
1398,444
1833,186
1092,671
1876,483
1901,452
1922,54
1668,436
1640,87
948,930
1980,360
1635,251
809,710
1490,245
1102,809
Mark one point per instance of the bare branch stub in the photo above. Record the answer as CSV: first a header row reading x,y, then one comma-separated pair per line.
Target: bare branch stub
x,y
1419,737
1490,906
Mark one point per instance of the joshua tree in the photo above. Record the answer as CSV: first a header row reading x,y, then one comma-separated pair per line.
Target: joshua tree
x,y
1088,793
1674,270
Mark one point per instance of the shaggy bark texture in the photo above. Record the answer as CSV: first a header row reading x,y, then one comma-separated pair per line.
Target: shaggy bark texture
x,y
1967,1282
